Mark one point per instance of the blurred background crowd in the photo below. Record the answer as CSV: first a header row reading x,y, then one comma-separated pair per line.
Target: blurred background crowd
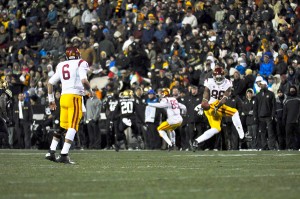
x,y
146,45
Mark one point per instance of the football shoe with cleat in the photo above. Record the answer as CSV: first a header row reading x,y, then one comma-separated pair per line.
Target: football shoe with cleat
x,y
64,159
50,156
194,146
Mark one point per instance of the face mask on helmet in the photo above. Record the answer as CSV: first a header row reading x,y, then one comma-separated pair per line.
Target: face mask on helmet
x,y
218,75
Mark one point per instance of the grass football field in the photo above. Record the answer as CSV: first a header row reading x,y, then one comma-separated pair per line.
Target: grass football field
x,y
152,174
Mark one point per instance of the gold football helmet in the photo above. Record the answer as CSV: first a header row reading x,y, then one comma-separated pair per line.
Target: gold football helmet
x,y
165,92
126,94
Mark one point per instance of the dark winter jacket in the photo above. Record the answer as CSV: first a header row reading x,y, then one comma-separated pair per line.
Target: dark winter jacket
x,y
265,104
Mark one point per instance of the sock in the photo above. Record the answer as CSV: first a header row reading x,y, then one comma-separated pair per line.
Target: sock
x,y
238,124
173,136
66,148
207,134
54,144
69,136
164,135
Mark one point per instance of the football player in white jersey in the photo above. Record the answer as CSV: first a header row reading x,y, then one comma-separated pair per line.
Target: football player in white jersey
x,y
174,119
217,90
72,74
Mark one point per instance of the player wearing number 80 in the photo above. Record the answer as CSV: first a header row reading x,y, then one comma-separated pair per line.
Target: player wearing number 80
x,y
72,74
174,120
216,92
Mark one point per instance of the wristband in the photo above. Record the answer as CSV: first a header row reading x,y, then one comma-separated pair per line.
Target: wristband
x,y
205,99
51,97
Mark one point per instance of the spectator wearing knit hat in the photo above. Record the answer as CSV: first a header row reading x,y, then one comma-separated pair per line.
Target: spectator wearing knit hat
x,y
107,45
266,67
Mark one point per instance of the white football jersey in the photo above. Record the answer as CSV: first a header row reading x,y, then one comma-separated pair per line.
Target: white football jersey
x,y
217,91
70,73
172,106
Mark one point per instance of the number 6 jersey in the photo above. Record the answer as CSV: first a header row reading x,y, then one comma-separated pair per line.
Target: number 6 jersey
x,y
70,73
216,90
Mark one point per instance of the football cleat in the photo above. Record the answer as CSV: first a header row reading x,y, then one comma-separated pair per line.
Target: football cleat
x,y
194,145
171,148
117,147
50,156
64,159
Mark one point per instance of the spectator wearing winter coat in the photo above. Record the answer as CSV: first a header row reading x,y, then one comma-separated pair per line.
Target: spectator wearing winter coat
x,y
195,123
107,45
284,85
148,34
276,84
280,131
266,67
265,110
160,33
189,18
231,133
251,120
249,79
280,66
238,85
291,118
291,75
152,119
241,66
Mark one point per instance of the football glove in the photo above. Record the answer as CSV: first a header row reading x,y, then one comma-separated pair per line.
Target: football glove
x,y
199,109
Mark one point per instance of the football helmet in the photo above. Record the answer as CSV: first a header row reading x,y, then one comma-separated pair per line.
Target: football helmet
x,y
146,89
3,84
109,94
165,92
72,53
126,94
219,75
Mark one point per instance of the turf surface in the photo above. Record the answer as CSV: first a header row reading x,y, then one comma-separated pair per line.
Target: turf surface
x,y
151,174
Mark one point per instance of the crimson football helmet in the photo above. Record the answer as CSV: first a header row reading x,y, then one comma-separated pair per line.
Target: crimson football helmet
x,y
165,92
219,75
72,53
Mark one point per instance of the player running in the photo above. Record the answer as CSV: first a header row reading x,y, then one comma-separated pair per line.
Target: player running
x,y
174,119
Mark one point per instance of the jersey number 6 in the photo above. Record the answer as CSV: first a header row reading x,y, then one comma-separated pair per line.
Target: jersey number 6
x,y
65,72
